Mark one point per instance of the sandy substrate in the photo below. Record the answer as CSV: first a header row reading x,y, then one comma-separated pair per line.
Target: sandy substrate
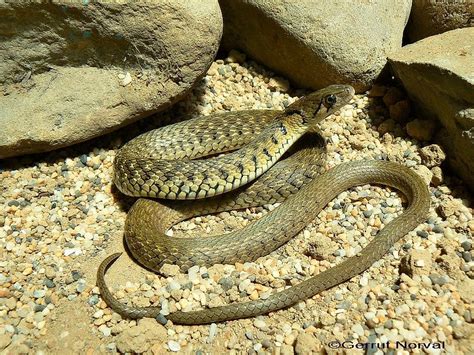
x,y
62,216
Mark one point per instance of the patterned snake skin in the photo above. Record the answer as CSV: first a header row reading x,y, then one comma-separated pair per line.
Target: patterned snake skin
x,y
158,164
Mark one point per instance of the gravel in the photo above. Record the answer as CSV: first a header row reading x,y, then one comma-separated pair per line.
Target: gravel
x,y
61,216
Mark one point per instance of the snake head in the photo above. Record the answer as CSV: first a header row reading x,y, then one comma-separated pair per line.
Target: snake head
x,y
313,108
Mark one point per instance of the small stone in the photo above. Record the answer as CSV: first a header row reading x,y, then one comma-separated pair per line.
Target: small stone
x,y
416,262
358,329
174,346
212,332
10,303
10,328
369,315
438,177
392,96
260,324
266,343
39,293
254,295
402,309
467,256
307,344
368,213
400,111
49,283
140,338
421,130
106,331
39,307
76,275
126,80
327,319
81,285
226,283
169,270
244,285
173,286
439,279
93,300
160,318
447,208
422,233
193,273
83,158
466,245
432,155
438,229
377,91
424,172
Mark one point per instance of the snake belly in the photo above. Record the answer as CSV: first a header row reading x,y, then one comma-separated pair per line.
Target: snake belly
x,y
165,163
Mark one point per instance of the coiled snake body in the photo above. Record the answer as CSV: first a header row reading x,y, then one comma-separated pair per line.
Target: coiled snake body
x,y
158,164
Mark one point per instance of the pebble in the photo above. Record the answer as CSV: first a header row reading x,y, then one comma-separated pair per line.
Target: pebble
x,y
174,346
39,293
400,111
392,96
49,283
439,279
226,283
169,270
212,332
466,245
260,324
432,155
421,130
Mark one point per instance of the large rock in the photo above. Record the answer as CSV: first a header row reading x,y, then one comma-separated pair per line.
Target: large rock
x,y
429,18
438,74
317,43
70,71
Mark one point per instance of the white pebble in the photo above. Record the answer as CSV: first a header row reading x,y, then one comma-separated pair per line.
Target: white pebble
x,y
369,315
174,346
212,332
73,251
244,284
106,331
193,273
260,324
358,329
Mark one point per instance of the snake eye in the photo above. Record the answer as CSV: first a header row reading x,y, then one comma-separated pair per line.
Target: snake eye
x,y
330,100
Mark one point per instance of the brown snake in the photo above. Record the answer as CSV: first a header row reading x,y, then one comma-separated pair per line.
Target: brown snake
x,y
158,164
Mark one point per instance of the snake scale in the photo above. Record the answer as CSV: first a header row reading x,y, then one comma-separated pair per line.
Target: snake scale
x,y
167,163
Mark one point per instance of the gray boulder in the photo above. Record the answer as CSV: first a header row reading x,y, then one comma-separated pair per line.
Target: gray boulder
x,y
71,71
317,43
429,18
438,74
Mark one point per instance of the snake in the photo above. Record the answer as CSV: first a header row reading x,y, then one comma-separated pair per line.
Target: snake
x,y
239,159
